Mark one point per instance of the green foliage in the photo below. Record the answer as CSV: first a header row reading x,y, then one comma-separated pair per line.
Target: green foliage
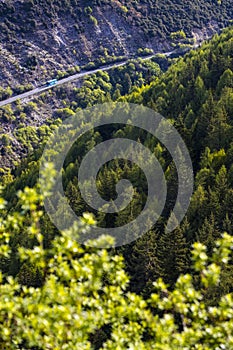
x,y
5,93
180,34
88,10
94,20
83,293
94,301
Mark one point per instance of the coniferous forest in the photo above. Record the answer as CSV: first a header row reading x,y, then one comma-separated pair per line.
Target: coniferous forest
x,y
164,290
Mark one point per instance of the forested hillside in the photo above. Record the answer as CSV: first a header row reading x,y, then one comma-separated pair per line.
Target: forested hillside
x,y
196,95
39,38
24,125
194,310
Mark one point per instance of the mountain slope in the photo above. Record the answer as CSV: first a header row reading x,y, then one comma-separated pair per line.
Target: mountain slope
x,y
201,80
38,38
196,93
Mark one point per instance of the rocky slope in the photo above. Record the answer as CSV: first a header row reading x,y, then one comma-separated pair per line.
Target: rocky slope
x,y
39,38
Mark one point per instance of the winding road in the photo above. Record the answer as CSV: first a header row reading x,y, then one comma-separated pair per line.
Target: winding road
x,y
40,89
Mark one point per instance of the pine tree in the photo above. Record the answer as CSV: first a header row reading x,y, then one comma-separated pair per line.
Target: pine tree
x,y
218,193
208,233
199,94
172,254
127,83
218,131
207,112
141,262
226,80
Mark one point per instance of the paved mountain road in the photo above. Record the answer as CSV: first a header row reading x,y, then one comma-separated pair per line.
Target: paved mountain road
x,y
40,89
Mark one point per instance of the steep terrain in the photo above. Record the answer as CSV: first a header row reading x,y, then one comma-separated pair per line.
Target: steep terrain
x,y
196,94
25,123
57,294
38,38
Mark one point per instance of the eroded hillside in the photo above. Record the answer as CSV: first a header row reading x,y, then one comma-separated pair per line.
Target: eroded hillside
x,y
39,38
